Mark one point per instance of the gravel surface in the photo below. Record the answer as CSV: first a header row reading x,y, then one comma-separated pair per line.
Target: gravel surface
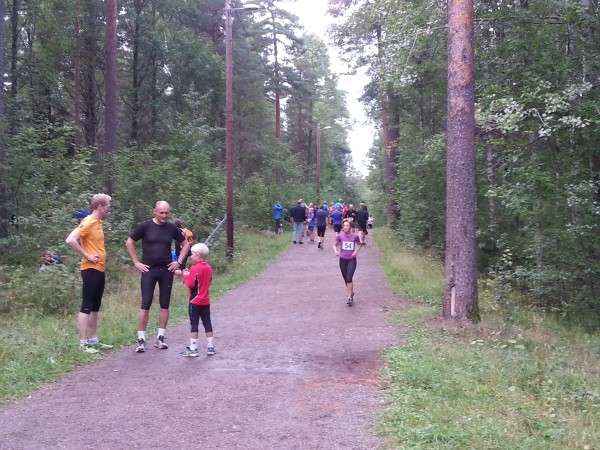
x,y
295,369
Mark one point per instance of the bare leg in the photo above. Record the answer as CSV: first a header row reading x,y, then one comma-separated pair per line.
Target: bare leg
x,y
143,319
349,290
163,318
92,324
82,323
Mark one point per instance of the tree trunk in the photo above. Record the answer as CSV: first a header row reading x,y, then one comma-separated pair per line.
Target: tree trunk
x,y
90,62
14,72
3,208
460,292
78,139
389,123
491,180
392,122
135,76
276,80
110,81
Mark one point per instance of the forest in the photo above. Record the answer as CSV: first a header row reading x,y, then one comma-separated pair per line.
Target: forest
x,y
129,97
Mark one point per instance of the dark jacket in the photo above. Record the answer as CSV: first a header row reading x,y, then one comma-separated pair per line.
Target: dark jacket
x,y
362,215
298,213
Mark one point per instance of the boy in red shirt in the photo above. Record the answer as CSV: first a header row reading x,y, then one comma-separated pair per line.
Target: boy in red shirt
x,y
198,279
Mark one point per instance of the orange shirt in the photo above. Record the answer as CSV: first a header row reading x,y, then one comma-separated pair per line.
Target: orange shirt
x,y
188,235
92,241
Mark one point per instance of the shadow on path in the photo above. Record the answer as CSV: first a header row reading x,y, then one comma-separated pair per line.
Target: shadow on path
x,y
295,369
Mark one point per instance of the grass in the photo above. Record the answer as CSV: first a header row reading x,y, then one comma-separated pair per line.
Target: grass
x,y
518,380
38,334
418,277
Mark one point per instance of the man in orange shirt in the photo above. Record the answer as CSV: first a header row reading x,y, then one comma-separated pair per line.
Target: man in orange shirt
x,y
88,241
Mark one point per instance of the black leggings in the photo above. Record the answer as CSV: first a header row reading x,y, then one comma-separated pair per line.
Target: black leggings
x,y
164,277
348,266
198,312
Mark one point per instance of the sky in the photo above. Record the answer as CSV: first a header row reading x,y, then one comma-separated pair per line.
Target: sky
x,y
313,15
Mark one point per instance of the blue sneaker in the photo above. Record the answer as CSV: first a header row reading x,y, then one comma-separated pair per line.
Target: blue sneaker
x,y
188,352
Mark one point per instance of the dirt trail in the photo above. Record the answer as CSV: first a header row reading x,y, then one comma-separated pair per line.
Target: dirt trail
x,y
295,369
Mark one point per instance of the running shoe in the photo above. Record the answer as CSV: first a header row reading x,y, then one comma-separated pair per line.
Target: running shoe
x,y
350,301
87,348
189,353
160,342
210,351
102,346
141,347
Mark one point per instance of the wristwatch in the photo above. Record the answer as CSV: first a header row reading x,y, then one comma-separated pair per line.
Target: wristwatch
x,y
180,263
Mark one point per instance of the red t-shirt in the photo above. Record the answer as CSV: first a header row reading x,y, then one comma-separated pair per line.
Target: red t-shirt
x,y
198,280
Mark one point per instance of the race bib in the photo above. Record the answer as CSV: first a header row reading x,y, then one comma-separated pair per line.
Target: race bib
x,y
348,246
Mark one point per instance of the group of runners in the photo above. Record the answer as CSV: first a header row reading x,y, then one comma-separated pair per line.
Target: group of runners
x,y
156,267
345,221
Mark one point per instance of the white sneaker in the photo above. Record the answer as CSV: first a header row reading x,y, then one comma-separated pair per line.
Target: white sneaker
x,y
141,347
160,342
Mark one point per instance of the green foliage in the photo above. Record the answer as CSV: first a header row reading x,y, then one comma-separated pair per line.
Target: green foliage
x,y
43,186
52,292
538,162
253,204
180,173
421,176
171,119
520,379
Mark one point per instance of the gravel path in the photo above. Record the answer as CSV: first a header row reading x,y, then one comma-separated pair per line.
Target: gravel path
x,y
295,369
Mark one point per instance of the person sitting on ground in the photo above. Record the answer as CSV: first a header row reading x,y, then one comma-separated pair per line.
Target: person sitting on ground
x,y
49,260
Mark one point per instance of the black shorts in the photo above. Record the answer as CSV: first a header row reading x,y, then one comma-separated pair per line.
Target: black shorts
x,y
321,231
92,290
164,277
337,228
197,313
362,226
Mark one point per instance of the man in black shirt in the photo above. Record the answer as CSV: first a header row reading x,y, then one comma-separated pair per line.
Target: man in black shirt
x,y
362,216
156,266
298,216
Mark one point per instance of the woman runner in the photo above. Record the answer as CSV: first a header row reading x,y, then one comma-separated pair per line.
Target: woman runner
x,y
349,245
